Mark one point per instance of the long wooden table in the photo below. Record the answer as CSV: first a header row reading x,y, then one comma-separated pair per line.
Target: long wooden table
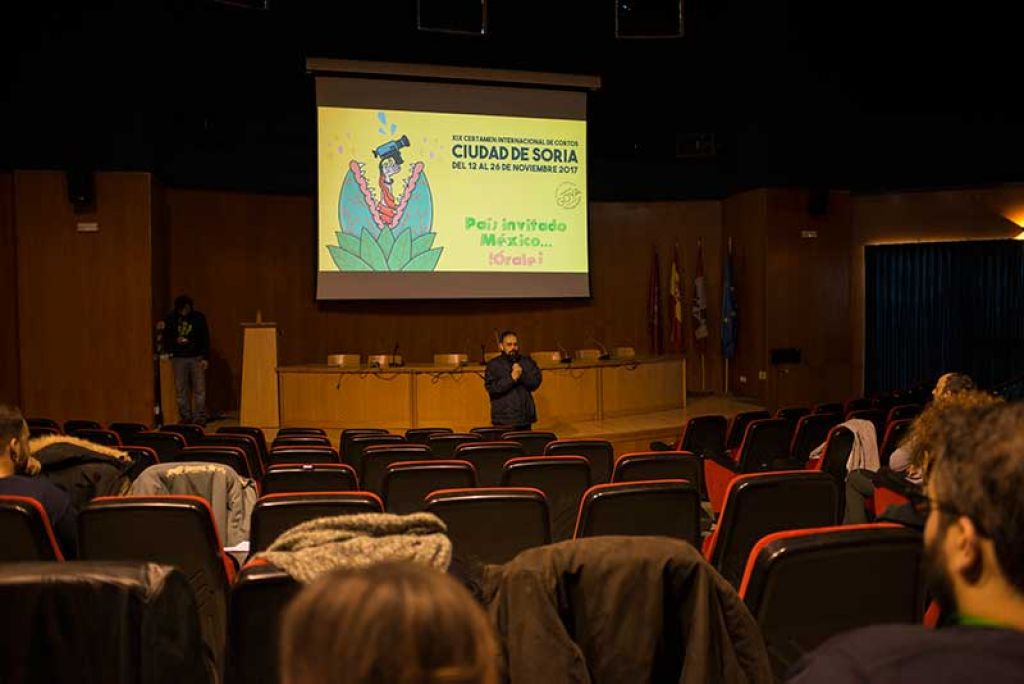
x,y
425,396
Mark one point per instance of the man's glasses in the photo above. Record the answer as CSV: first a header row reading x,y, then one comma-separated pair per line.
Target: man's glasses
x,y
922,505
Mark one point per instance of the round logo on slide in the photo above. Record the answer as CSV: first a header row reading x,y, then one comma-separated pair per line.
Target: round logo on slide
x,y
567,195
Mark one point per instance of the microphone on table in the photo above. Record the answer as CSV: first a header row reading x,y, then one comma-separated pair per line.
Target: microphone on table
x,y
483,355
563,353
604,350
394,354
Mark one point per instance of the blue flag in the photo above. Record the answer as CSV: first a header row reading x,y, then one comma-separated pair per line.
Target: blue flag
x,y
728,311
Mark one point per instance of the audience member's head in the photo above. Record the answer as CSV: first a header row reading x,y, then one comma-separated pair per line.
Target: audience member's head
x,y
974,537
953,383
13,440
393,623
926,438
183,304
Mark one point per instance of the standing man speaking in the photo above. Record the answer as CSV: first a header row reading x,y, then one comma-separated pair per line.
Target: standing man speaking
x,y
510,380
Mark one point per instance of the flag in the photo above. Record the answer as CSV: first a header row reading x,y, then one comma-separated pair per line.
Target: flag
x,y
675,333
728,308
700,304
654,307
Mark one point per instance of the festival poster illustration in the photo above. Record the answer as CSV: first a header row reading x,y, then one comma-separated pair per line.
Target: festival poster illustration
x,y
415,191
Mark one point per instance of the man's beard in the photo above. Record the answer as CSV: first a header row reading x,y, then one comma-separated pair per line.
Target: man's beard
x,y
937,578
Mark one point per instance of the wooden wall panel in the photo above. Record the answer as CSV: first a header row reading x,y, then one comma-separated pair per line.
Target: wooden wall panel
x,y
807,298
10,388
84,299
238,253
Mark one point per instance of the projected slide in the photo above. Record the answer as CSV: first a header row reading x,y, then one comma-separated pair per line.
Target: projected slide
x,y
406,192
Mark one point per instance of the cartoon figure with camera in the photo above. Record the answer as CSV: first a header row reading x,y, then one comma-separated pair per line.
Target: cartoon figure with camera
x,y
394,230
390,164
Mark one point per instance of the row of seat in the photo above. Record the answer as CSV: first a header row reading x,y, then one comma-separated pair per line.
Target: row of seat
x,y
483,518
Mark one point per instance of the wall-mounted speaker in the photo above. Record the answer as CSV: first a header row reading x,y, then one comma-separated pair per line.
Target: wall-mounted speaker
x,y
452,16
648,18
817,201
785,355
81,189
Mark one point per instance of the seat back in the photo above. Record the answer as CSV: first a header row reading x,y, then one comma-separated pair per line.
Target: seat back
x,y
193,434
232,457
165,444
406,484
300,440
533,441
811,431
353,447
123,428
804,586
598,451
875,416
444,445
76,425
491,433
704,436
738,426
903,412
856,404
169,530
142,457
663,508
116,623
492,525
34,432
829,407
765,443
254,432
376,459
99,436
838,446
288,431
280,455
244,442
658,465
792,413
563,479
759,504
26,532
258,600
894,434
488,458
309,477
421,435
48,423
274,514
348,434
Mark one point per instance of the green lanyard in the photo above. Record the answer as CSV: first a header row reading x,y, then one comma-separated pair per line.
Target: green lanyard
x,y
971,621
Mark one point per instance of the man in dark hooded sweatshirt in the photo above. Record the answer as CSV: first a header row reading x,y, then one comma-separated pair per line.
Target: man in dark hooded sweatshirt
x,y
187,340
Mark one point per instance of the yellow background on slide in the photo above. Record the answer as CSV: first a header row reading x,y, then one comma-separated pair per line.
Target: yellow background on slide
x,y
487,194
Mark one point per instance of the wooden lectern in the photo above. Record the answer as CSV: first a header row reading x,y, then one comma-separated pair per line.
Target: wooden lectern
x,y
259,375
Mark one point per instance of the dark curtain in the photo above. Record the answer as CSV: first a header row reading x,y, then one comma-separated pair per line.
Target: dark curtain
x,y
940,307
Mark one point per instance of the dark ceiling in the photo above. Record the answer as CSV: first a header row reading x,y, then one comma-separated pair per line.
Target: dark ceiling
x,y
864,95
